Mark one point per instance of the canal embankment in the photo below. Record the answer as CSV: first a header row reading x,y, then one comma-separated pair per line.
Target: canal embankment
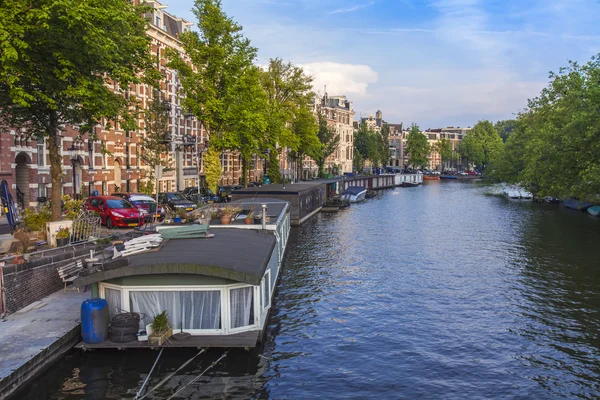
x,y
36,336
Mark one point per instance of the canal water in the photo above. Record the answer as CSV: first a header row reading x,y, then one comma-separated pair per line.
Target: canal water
x,y
446,291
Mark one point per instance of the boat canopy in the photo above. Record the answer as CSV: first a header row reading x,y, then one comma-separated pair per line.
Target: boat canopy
x,y
354,190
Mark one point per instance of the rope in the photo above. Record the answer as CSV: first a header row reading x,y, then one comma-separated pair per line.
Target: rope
x,y
198,377
171,375
137,395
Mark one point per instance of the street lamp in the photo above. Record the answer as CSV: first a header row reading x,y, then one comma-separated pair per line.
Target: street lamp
x,y
73,155
202,147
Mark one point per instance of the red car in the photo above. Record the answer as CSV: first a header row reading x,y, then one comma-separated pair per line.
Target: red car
x,y
115,211
145,203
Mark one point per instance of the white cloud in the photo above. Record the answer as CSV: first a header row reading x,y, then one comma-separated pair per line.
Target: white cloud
x,y
352,9
348,79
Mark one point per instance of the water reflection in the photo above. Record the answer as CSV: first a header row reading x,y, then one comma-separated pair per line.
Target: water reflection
x,y
439,291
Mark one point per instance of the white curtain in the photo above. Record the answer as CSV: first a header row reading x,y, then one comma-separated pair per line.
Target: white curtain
x,y
242,309
190,310
113,298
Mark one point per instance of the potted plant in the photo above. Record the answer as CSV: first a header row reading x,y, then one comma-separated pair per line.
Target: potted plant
x,y
180,216
62,237
161,331
249,217
227,213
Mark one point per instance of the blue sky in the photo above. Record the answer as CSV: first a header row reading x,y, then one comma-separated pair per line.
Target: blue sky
x,y
434,62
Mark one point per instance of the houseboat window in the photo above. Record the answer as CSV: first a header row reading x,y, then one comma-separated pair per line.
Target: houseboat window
x,y
242,307
190,309
267,292
113,299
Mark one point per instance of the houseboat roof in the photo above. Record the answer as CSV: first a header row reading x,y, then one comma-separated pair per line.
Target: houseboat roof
x,y
291,188
241,255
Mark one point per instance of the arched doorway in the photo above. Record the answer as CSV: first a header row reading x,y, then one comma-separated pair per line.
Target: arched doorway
x,y
117,187
22,179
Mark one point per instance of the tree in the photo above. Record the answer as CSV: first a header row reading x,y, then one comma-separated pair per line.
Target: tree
x,y
330,141
491,143
305,128
470,150
555,149
55,60
273,170
444,148
417,147
384,146
155,141
221,85
367,147
212,169
505,128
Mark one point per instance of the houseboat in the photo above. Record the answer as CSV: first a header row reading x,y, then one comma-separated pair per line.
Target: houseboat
x,y
354,194
217,290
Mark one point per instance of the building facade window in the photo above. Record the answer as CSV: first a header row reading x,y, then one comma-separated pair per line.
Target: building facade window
x,y
41,153
92,154
42,190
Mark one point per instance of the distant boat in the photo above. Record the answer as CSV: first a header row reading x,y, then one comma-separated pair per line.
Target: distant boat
x,y
525,194
577,204
371,193
517,192
448,177
595,211
431,177
551,200
512,192
354,194
409,184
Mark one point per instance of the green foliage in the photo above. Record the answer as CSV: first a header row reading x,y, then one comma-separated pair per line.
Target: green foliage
x,y
489,140
155,142
212,169
224,81
505,128
160,324
56,57
305,129
71,207
330,141
273,170
367,146
444,148
555,148
63,233
470,150
36,220
417,147
146,187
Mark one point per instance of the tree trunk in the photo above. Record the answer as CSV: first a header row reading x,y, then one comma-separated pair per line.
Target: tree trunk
x,y
55,168
245,174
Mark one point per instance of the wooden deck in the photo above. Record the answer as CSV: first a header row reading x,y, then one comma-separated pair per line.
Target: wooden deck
x,y
243,339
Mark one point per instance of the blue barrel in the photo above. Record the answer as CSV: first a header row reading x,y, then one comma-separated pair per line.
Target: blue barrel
x,y
94,321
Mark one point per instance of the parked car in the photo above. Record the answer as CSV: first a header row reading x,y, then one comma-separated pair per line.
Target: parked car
x,y
175,201
224,192
205,194
472,173
115,211
146,203
463,173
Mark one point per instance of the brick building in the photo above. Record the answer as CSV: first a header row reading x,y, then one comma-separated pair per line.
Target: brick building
x,y
340,116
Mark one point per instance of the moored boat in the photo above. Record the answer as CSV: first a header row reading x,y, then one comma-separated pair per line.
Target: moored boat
x,y
448,177
409,184
594,210
354,194
512,192
577,204
431,177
